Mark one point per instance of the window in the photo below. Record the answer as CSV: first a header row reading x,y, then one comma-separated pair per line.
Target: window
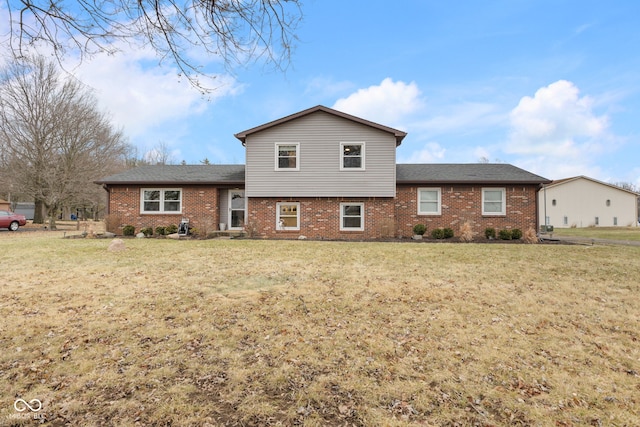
x,y
553,202
615,220
608,202
351,216
429,201
565,220
352,155
287,157
161,200
493,201
597,221
288,216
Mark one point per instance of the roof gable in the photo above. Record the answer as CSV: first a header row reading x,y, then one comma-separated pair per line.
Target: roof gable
x,y
559,182
398,134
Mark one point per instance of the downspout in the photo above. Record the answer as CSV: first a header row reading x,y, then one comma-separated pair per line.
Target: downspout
x,y
544,190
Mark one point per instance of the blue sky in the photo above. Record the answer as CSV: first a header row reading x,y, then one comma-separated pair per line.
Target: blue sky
x,y
549,86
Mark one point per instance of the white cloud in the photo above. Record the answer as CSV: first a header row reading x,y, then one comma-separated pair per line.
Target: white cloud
x,y
388,103
430,153
141,96
557,122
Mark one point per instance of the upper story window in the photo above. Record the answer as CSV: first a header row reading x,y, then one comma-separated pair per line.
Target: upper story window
x,y
288,216
161,200
287,156
494,201
429,201
352,156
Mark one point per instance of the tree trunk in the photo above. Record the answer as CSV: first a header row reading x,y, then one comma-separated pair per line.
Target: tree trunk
x,y
52,212
38,212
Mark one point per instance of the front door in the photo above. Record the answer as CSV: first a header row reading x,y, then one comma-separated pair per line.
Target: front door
x,y
236,209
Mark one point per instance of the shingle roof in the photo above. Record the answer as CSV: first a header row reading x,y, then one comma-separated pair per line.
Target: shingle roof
x,y
485,173
434,173
399,135
178,174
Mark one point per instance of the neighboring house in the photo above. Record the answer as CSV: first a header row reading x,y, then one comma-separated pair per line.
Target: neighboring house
x,y
25,208
4,205
324,174
585,202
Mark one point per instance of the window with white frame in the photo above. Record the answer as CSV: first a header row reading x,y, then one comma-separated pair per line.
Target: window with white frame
x,y
429,201
351,216
161,200
352,155
288,216
287,156
493,201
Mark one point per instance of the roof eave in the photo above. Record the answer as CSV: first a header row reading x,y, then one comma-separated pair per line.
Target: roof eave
x,y
173,183
474,182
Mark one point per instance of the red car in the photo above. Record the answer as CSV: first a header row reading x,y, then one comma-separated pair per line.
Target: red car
x,y
11,220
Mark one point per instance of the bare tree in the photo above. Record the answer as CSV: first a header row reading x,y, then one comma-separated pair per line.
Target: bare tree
x,y
55,139
236,30
160,154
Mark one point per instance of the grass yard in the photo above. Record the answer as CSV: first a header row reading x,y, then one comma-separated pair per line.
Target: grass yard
x,y
259,333
612,233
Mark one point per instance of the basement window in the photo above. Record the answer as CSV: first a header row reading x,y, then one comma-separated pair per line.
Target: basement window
x,y
351,216
288,216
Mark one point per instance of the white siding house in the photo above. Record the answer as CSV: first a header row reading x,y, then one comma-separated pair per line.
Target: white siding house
x,y
585,202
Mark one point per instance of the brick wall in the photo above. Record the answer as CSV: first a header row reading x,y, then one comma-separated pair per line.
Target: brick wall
x,y
462,204
199,205
320,218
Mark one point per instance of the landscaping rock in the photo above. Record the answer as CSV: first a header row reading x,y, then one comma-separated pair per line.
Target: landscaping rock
x,y
175,236
116,245
140,235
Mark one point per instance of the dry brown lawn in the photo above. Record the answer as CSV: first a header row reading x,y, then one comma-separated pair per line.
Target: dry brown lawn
x,y
259,333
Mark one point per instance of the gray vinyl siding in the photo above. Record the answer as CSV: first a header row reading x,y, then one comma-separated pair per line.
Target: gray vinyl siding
x,y
319,136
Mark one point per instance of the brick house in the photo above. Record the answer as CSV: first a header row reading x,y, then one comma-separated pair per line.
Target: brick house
x,y
324,174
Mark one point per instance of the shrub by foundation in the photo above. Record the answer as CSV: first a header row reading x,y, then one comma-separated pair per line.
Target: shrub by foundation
x,y
128,230
171,229
516,234
419,229
147,231
448,233
505,234
161,230
466,232
530,236
490,233
437,233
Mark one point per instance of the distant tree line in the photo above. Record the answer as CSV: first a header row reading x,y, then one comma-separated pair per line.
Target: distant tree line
x,y
54,140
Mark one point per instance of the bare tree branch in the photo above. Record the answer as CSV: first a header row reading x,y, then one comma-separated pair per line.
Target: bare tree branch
x,y
235,30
